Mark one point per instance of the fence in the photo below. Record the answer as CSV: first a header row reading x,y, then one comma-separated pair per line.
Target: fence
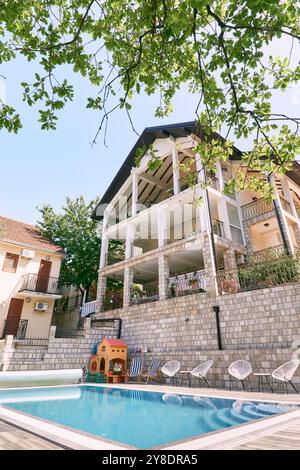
x,y
148,294
188,283
256,208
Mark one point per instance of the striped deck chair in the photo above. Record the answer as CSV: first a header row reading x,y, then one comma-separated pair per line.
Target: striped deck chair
x,y
135,368
152,373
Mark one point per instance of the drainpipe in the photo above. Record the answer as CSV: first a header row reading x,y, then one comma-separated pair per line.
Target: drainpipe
x,y
279,222
216,309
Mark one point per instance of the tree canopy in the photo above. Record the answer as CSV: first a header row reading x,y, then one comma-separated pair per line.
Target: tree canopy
x,y
77,233
221,49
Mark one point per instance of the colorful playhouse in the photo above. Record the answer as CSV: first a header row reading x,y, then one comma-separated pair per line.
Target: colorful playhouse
x,y
109,364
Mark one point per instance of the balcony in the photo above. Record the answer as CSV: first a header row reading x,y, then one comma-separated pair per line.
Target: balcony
x,y
186,284
88,308
40,285
256,208
144,295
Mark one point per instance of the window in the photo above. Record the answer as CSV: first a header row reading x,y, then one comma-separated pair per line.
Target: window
x,y
235,224
10,263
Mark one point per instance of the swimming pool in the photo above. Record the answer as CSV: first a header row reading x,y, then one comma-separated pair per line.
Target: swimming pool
x,y
136,418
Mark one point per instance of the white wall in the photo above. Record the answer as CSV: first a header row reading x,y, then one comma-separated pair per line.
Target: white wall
x,y
38,322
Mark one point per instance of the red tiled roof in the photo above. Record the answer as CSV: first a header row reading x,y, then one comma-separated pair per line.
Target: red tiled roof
x,y
116,342
24,234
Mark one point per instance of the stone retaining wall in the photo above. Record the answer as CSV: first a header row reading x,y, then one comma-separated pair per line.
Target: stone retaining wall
x,y
262,326
60,353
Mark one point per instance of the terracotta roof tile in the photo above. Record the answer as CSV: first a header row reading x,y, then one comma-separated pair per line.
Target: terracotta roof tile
x,y
24,234
116,342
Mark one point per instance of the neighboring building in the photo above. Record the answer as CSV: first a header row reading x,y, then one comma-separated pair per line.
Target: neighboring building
x,y
175,247
29,280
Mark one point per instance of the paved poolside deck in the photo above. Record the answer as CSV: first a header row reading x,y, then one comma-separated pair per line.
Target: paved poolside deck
x,y
280,436
12,438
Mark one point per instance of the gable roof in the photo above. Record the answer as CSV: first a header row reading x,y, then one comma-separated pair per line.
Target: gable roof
x,y
177,130
21,233
115,342
149,135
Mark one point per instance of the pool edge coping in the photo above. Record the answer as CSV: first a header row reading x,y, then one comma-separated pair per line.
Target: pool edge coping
x,y
220,439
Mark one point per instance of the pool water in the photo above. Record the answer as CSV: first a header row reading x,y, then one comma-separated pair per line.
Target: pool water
x,y
137,418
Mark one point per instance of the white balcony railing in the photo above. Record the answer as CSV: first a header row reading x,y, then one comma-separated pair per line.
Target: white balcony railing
x,y
88,308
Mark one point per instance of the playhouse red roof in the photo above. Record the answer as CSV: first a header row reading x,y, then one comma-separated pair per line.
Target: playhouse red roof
x,y
116,342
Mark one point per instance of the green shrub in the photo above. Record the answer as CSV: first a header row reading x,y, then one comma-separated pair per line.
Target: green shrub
x,y
282,270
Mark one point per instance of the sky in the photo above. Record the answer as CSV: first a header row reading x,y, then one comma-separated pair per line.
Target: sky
x,y
44,167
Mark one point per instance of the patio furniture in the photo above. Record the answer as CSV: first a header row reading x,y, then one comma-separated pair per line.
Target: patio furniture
x,y
201,371
240,370
170,369
286,372
152,373
264,379
135,368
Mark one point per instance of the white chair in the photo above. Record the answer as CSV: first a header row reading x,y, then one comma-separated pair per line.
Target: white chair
x,y
170,369
201,371
286,372
241,371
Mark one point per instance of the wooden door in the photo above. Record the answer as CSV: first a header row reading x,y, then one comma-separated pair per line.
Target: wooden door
x,y
13,317
43,276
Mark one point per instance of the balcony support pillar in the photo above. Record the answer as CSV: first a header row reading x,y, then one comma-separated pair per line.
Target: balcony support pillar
x,y
163,274
135,191
282,220
104,250
209,249
289,198
231,270
128,281
209,265
129,241
175,167
219,175
101,291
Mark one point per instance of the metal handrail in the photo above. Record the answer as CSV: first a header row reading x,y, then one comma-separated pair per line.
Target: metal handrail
x,y
42,284
256,208
187,283
148,294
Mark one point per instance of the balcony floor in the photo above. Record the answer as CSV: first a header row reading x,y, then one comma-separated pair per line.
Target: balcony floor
x,y
38,295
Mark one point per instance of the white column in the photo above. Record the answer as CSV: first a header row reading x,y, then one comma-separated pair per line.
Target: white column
x,y
208,254
220,176
204,213
283,218
175,166
287,194
129,241
104,250
289,198
135,191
